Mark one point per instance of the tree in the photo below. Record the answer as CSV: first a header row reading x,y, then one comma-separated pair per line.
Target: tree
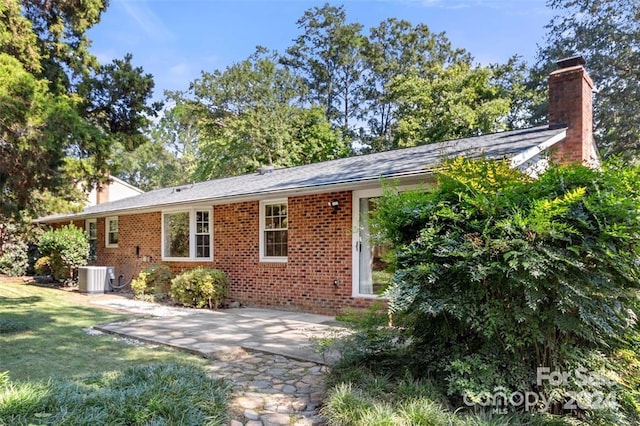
x,y
36,129
514,81
455,102
116,104
62,44
250,115
16,36
150,166
397,49
60,105
327,56
607,34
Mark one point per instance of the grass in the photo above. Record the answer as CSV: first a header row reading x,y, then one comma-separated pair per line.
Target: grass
x,y
41,335
168,393
55,373
372,386
368,399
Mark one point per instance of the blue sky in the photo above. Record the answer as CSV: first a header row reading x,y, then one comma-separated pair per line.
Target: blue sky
x,y
177,39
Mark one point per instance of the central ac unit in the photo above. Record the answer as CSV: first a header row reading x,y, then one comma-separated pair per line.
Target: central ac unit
x,y
95,279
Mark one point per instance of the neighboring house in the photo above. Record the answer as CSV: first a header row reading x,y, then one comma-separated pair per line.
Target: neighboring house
x,y
114,190
298,238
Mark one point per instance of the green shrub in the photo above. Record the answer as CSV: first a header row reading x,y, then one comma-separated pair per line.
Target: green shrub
x,y
372,340
44,266
498,274
67,248
200,287
152,283
14,247
15,259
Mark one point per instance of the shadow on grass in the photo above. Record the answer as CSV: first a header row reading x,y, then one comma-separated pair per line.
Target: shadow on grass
x,y
14,301
16,322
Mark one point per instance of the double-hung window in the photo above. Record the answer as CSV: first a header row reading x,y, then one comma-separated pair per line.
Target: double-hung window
x,y
111,232
187,234
274,230
91,229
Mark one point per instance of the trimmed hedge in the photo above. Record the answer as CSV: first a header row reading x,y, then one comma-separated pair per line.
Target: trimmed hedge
x,y
200,287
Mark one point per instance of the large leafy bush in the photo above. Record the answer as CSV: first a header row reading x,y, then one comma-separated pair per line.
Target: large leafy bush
x,y
200,287
498,274
14,259
152,283
67,249
14,249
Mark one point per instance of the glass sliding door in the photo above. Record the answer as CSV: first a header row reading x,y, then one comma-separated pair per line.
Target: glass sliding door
x,y
370,270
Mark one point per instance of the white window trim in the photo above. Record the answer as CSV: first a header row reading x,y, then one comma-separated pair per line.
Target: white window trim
x,y
263,257
192,234
106,231
87,227
87,231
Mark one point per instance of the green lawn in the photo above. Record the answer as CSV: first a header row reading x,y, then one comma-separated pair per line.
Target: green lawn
x,y
52,372
41,336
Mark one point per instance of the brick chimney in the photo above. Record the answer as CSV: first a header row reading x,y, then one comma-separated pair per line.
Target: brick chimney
x,y
102,193
570,105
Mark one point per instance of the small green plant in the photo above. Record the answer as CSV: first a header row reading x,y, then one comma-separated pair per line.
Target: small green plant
x,y
200,287
67,248
44,267
153,283
372,340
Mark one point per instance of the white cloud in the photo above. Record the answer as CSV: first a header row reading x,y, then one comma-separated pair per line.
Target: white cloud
x,y
150,23
180,70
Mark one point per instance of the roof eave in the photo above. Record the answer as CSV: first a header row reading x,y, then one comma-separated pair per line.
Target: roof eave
x,y
523,157
407,177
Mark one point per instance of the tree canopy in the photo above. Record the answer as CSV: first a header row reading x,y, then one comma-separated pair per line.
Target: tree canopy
x,y
250,115
335,92
62,111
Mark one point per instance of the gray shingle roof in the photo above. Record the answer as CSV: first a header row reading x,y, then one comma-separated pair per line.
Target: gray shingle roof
x,y
322,176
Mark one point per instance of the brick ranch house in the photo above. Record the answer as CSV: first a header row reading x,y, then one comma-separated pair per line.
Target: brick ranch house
x,y
298,238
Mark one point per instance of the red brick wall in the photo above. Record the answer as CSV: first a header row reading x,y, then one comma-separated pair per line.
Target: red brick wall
x,y
319,252
139,230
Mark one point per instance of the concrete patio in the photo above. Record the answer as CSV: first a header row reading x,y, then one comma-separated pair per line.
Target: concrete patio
x,y
219,334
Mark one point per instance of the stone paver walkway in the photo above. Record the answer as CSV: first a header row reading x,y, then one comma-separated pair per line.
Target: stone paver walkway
x,y
272,390
267,356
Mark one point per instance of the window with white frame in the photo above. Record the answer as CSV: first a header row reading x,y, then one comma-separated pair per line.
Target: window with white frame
x,y
91,229
187,234
111,232
274,225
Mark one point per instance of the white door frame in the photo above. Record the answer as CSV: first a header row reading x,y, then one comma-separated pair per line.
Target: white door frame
x,y
356,243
